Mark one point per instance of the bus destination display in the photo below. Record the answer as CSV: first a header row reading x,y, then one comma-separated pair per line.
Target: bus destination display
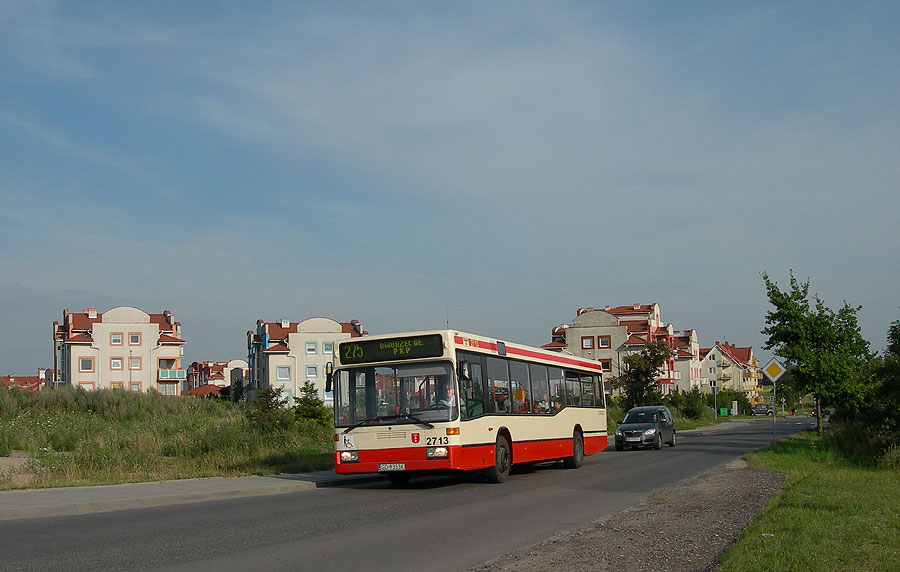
x,y
413,347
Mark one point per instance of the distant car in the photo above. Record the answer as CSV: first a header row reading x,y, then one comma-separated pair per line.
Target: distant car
x,y
762,409
649,426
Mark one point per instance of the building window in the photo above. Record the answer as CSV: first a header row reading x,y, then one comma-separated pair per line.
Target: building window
x,y
283,372
168,388
116,385
712,370
116,363
711,357
328,348
86,364
115,338
134,339
603,341
135,387
587,342
312,371
606,364
134,363
311,348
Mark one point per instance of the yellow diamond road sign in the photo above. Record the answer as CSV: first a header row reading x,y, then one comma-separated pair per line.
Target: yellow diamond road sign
x,y
773,369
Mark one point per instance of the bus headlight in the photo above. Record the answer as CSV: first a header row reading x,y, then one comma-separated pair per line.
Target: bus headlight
x,y
437,452
349,456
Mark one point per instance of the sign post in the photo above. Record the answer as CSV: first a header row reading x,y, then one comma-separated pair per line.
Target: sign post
x,y
773,371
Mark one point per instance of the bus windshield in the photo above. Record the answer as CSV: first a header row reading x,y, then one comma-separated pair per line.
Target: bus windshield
x,y
385,395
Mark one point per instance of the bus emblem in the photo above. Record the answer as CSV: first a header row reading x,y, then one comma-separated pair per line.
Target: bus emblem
x,y
415,437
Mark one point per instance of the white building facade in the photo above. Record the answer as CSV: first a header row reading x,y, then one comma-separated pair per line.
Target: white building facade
x,y
122,348
286,354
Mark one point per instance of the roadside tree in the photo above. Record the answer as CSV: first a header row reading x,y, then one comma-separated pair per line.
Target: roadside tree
x,y
639,380
825,347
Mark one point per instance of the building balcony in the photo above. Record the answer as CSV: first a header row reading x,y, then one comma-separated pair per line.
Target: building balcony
x,y
172,374
725,375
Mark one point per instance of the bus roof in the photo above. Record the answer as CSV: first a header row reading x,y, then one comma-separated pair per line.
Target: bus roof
x,y
492,346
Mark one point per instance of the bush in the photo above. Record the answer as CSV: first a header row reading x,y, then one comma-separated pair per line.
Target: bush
x,y
309,406
692,405
268,412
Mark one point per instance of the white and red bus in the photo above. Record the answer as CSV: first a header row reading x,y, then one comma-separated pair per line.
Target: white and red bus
x,y
443,400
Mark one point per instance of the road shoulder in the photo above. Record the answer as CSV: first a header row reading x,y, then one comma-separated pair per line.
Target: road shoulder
x,y
682,528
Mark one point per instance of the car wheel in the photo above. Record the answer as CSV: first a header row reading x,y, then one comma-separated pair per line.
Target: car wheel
x,y
620,447
672,442
502,461
577,457
658,443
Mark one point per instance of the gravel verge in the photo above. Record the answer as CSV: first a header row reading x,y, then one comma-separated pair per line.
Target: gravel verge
x,y
684,528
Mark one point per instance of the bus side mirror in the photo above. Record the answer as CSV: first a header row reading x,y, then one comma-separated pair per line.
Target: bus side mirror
x,y
329,376
465,371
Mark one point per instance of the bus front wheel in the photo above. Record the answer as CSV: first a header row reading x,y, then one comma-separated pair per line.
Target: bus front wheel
x,y
502,461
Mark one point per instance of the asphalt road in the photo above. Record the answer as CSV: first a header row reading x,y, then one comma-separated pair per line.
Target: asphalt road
x,y
438,523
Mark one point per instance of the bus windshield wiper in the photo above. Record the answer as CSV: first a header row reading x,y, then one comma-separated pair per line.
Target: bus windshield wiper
x,y
364,422
405,416
415,419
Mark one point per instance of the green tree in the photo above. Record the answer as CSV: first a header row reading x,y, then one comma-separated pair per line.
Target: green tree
x,y
885,406
825,347
268,412
639,381
310,406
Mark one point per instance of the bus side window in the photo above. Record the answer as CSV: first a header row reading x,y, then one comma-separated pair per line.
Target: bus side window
x,y
573,388
520,387
540,388
498,386
587,390
557,389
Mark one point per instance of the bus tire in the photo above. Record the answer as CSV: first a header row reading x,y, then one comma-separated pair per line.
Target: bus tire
x,y
502,461
577,457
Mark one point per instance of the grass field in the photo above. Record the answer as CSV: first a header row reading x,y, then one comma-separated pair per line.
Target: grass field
x,y
74,437
834,514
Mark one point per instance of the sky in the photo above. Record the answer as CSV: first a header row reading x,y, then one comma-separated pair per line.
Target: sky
x,y
493,166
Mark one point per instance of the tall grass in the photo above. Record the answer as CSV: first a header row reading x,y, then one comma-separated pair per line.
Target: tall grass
x,y
77,437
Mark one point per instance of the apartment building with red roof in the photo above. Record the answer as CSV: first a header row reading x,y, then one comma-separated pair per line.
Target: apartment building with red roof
x,y
731,367
286,354
122,348
217,373
609,334
28,382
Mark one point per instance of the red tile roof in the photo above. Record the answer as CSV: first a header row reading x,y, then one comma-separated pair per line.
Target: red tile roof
x,y
276,349
167,339
27,382
203,390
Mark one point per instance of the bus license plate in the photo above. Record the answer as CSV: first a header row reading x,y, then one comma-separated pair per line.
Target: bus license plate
x,y
386,467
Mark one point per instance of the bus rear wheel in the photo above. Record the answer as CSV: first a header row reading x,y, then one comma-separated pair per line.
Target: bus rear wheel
x,y
577,457
502,461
